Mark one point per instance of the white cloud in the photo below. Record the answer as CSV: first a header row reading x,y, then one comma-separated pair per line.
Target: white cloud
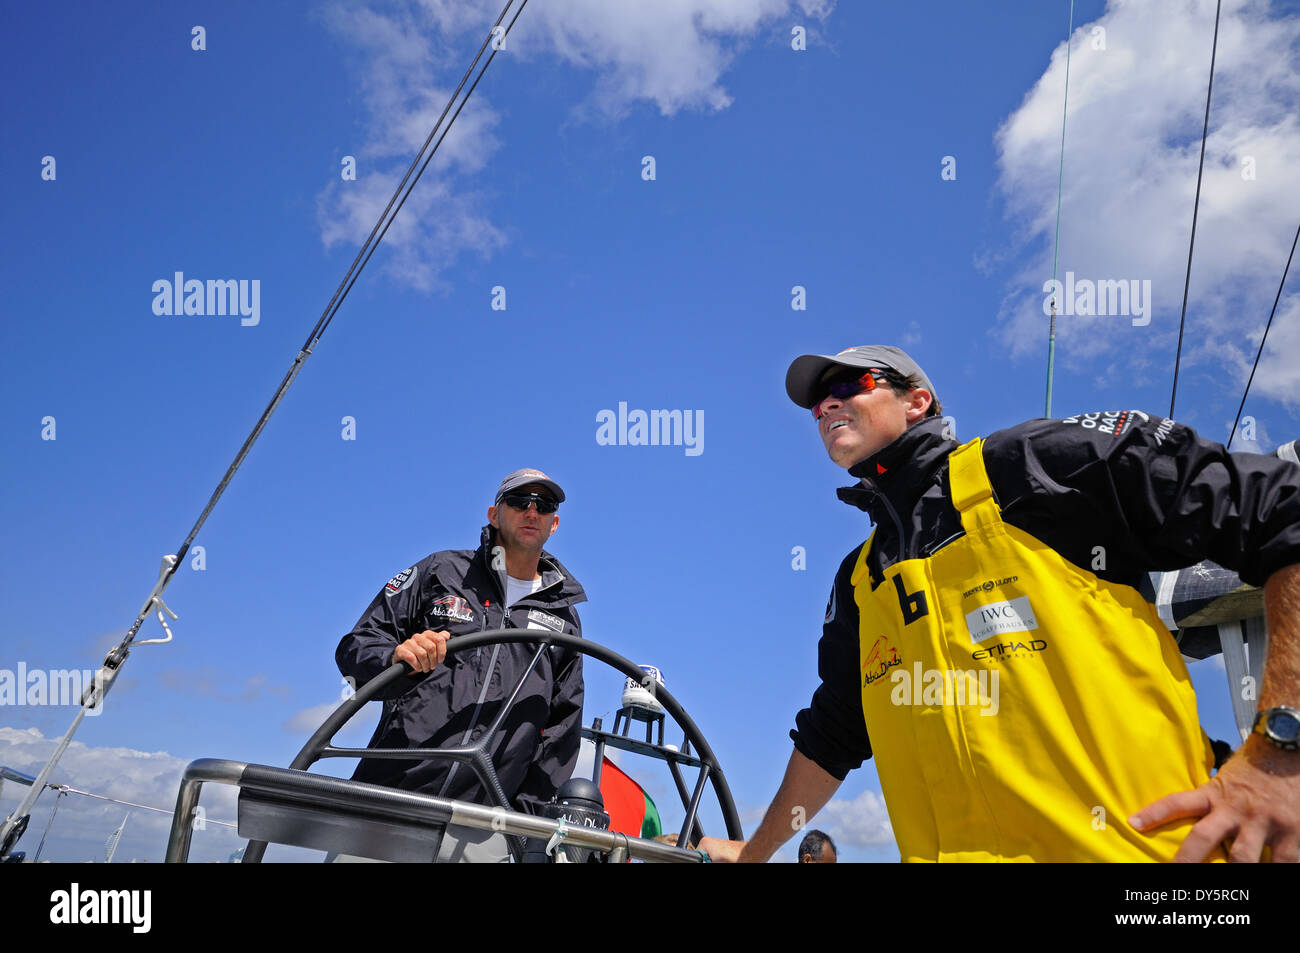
x,y
82,824
1252,435
405,81
354,734
434,226
1279,367
751,815
1131,151
669,53
861,822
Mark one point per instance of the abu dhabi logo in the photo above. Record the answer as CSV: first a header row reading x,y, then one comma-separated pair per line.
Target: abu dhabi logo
x,y
880,659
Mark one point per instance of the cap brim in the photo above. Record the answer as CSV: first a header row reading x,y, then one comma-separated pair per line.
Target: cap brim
x,y
805,374
532,481
550,485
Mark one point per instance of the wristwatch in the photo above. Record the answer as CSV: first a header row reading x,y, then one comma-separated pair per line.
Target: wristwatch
x,y
1279,725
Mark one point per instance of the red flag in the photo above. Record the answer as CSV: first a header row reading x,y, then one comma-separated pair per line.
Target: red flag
x,y
631,811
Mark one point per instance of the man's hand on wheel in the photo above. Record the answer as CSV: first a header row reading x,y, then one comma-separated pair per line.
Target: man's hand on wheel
x,y
424,651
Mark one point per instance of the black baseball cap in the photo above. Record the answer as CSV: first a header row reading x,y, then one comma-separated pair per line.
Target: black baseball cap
x,y
806,372
524,477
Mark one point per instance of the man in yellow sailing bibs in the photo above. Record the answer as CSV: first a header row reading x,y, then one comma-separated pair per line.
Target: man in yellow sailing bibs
x,y
988,644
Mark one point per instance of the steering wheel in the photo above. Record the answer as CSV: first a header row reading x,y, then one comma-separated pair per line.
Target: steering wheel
x,y
479,757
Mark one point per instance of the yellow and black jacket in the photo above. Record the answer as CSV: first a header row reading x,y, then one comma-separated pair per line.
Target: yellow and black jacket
x,y
989,644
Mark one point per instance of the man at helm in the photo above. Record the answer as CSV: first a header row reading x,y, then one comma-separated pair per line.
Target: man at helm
x,y
510,581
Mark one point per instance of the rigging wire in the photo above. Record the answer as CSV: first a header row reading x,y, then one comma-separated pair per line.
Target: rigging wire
x,y
14,825
472,87
1259,353
354,271
65,789
1195,208
58,799
1056,242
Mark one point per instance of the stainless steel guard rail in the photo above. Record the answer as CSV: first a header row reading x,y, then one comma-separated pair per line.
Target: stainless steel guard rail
x,y
375,801
271,798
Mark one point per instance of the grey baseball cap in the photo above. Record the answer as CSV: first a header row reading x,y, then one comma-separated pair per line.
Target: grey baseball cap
x,y
806,372
524,477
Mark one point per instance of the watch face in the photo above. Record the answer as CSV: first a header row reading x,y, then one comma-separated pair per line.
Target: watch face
x,y
1284,726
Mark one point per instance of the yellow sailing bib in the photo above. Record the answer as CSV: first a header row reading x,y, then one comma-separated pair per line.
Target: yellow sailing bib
x,y
1019,707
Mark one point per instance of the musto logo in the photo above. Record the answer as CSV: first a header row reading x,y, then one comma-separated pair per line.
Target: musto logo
x,y
879,661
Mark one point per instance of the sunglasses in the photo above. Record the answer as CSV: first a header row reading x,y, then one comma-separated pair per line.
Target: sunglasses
x,y
844,388
520,501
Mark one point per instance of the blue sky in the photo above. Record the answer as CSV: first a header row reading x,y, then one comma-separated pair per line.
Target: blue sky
x,y
774,168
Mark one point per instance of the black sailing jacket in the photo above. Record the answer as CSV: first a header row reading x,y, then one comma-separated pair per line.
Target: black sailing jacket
x,y
1120,493
458,591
